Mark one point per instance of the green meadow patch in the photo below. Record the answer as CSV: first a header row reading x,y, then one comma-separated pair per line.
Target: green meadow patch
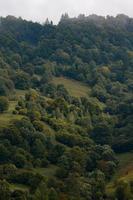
x,y
75,88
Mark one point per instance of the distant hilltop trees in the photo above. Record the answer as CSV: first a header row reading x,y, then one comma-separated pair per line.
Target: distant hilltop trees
x,y
47,22
121,19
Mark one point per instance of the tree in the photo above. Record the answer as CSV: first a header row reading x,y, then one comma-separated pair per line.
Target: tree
x,y
64,17
4,190
41,192
123,190
98,184
4,104
52,194
3,89
19,194
38,125
47,22
21,80
102,134
19,160
4,153
38,148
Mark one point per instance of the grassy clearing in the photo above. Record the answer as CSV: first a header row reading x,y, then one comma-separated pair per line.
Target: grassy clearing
x,y
48,172
125,166
17,95
18,187
125,159
20,93
75,88
7,117
124,171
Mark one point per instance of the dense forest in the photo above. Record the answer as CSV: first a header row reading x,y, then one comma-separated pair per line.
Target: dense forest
x,y
59,142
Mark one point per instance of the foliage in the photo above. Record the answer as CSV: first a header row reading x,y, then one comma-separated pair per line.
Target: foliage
x,y
4,104
75,111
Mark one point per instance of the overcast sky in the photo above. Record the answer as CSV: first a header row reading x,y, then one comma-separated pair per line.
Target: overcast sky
x,y
39,10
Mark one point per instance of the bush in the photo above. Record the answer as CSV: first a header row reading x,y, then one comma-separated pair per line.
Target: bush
x,y
14,112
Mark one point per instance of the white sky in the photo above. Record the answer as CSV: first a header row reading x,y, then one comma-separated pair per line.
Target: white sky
x,y
39,10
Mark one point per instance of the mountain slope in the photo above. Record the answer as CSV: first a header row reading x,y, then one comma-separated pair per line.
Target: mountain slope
x,y
66,100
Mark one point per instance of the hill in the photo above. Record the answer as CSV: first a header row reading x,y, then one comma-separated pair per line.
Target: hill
x,y
66,108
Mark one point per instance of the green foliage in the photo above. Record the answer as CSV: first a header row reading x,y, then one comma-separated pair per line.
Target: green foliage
x,y
41,192
21,80
4,104
6,86
56,136
19,160
4,190
52,194
123,191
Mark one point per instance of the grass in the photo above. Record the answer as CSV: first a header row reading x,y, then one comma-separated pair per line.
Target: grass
x,y
17,94
48,172
125,166
75,88
124,171
20,93
18,187
7,117
125,158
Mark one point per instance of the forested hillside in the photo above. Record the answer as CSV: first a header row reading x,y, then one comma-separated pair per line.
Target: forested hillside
x,y
66,108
